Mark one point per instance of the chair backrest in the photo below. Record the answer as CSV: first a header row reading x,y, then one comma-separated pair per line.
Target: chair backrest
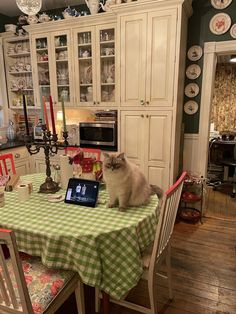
x,y
88,152
168,211
14,298
7,165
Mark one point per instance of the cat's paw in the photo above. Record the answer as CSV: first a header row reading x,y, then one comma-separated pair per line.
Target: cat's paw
x,y
111,205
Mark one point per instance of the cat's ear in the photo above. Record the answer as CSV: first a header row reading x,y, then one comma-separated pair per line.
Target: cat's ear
x,y
106,155
121,156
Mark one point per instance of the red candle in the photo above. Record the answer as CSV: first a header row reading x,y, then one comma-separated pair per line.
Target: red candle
x,y
45,113
52,116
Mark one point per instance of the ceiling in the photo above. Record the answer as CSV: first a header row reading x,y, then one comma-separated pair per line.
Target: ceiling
x,y
9,7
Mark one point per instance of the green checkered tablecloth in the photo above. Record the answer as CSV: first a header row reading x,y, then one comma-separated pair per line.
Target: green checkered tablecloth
x,y
102,244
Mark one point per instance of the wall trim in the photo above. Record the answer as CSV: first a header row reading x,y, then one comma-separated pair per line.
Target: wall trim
x,y
211,50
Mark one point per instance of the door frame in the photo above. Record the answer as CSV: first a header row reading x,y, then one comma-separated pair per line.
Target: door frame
x,y
211,51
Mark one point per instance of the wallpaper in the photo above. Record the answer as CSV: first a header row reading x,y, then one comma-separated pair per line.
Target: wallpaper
x,y
223,112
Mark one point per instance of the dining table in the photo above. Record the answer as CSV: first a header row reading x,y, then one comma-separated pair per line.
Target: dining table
x,y
103,245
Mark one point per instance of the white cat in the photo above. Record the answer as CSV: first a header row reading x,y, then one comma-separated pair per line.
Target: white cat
x,y
125,183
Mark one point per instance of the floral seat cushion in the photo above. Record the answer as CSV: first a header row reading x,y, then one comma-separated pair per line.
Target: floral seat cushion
x,y
43,283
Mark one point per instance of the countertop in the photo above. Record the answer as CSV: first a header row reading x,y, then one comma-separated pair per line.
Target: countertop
x,y
9,145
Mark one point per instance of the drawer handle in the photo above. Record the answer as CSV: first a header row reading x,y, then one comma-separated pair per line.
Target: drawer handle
x,y
52,154
17,155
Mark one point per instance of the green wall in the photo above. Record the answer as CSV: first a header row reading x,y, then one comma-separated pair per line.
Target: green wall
x,y
198,34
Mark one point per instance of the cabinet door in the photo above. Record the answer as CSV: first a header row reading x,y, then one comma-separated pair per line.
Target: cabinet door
x,y
85,73
106,65
132,136
23,167
158,147
42,66
62,69
161,38
133,59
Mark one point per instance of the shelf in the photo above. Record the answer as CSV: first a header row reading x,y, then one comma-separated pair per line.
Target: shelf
x,y
61,47
107,42
22,90
107,84
61,61
63,85
20,72
48,86
109,56
41,49
86,58
42,62
20,54
89,84
84,45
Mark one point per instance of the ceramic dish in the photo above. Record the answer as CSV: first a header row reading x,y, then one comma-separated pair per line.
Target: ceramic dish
x,y
190,107
193,71
191,90
220,4
220,23
56,198
233,31
194,53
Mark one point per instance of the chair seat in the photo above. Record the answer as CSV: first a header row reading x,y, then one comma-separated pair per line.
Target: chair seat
x,y
43,283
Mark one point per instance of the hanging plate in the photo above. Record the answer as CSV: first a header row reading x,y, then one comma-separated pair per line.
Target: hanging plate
x,y
191,90
190,107
194,53
220,23
193,71
220,4
233,31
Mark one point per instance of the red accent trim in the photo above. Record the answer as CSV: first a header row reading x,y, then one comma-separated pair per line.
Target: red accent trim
x,y
181,178
5,230
8,156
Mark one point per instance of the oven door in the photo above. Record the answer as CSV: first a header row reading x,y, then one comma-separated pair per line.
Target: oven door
x,y
98,134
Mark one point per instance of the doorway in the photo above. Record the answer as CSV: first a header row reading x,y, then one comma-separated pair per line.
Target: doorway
x,y
218,204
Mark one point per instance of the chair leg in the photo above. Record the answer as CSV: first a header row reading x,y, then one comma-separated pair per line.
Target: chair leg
x,y
79,295
97,300
169,276
152,292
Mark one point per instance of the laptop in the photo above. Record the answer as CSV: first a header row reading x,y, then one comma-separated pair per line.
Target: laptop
x,y
82,192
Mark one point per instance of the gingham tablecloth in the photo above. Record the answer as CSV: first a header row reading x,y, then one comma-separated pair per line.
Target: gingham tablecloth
x,y
102,244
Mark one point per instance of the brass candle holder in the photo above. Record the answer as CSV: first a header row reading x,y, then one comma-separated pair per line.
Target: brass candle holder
x,y
50,146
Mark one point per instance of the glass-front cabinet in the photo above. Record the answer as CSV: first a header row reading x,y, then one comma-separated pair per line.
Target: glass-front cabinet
x,y
18,72
95,65
53,67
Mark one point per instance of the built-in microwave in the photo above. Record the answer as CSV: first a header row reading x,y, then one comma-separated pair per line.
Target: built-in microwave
x,y
101,134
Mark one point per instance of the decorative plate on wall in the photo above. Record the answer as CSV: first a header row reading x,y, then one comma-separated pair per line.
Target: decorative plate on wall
x,y
233,31
193,71
194,53
220,23
220,4
191,90
190,107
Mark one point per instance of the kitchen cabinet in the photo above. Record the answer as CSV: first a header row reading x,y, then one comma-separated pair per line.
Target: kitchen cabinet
x,y
146,139
18,71
51,56
147,58
23,161
40,165
95,54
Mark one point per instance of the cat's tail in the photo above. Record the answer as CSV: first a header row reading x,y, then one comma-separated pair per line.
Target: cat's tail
x,y
157,190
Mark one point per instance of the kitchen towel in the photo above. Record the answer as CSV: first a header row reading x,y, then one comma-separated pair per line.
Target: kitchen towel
x,y
66,170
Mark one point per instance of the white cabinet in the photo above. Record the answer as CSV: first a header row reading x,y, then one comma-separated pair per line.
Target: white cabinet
x,y
146,139
23,161
40,164
147,58
52,71
95,54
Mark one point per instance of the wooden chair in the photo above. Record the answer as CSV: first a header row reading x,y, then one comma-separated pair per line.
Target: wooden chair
x,y
88,152
7,165
159,252
49,288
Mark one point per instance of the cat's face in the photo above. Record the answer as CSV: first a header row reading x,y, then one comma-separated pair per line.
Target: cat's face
x,y
113,162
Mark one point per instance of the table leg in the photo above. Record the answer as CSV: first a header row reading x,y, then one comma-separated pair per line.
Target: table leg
x,y
105,302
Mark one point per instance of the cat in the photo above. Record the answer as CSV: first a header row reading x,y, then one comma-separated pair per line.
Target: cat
x,y
125,182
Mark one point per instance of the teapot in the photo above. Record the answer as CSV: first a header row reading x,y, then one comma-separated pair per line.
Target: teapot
x,y
93,6
44,18
106,7
32,19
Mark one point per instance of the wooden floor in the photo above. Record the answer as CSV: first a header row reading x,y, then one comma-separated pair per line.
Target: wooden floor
x,y
204,273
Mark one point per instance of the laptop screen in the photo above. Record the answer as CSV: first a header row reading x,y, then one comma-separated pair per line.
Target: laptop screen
x,y
82,192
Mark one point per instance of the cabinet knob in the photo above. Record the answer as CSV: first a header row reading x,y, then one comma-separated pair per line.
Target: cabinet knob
x,y
17,155
142,103
142,115
147,103
55,102
52,154
94,103
98,102
147,115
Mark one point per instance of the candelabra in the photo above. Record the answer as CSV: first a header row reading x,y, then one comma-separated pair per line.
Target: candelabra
x,y
50,145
